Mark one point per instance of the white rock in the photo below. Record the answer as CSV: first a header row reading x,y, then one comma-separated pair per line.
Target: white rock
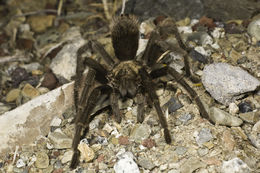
x,y
32,66
24,124
59,139
223,118
108,128
94,124
227,83
56,121
206,39
235,165
215,45
233,108
174,171
49,146
20,163
202,51
218,32
126,164
163,167
185,29
254,28
66,59
67,157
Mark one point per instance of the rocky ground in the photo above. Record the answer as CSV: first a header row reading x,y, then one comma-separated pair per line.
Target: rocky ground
x,y
37,64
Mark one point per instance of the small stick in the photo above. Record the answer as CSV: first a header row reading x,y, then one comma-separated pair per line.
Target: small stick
x,y
59,7
123,7
106,9
15,154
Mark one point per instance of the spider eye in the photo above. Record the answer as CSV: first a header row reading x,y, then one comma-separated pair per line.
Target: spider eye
x,y
124,15
142,36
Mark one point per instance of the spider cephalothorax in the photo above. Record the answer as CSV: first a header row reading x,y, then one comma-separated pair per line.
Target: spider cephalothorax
x,y
125,76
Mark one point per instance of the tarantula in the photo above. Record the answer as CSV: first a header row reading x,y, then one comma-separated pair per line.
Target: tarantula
x,y
126,75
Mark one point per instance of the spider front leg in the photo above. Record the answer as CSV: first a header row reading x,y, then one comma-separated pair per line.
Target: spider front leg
x,y
140,105
82,124
149,87
114,96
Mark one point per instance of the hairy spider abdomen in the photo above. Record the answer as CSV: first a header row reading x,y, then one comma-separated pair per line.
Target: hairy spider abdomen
x,y
125,78
125,36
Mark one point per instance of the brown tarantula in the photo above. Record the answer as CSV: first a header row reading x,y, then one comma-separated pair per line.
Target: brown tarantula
x,y
126,75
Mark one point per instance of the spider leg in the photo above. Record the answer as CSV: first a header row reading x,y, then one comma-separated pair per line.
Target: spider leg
x,y
87,85
140,105
79,73
82,62
151,52
97,47
169,26
82,124
149,87
114,96
179,78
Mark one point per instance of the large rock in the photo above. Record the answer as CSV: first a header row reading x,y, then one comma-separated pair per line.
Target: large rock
x,y
64,64
218,9
226,83
24,124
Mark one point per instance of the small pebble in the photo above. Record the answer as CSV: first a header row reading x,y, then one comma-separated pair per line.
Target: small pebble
x,y
140,132
198,56
87,153
20,163
223,118
42,160
235,165
126,164
245,107
233,108
102,166
203,151
57,164
204,136
123,140
145,163
31,67
60,140
254,28
173,104
250,117
50,81
12,95
29,91
228,141
56,121
181,150
149,143
163,167
185,118
190,165
108,128
174,171
67,157
19,75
